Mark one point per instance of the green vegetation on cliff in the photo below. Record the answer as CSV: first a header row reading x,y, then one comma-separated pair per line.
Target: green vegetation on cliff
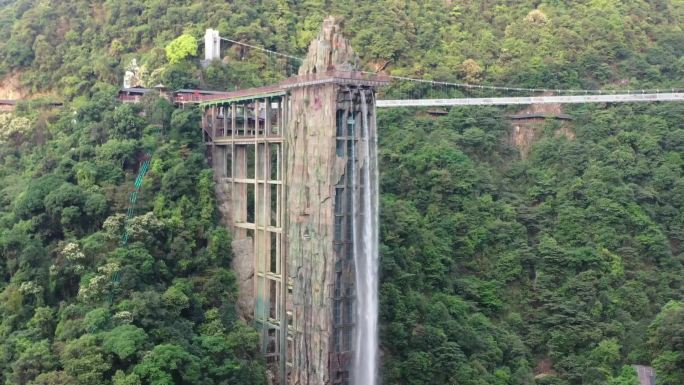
x,y
77,306
565,257
566,265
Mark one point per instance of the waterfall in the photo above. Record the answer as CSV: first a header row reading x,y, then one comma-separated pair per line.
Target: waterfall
x,y
365,239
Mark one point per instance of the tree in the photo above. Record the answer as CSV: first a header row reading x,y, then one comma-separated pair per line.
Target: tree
x,y
606,354
184,125
126,122
219,246
169,364
666,340
85,360
37,358
14,128
180,75
471,71
60,264
157,110
31,201
53,378
124,341
628,376
489,262
180,48
120,378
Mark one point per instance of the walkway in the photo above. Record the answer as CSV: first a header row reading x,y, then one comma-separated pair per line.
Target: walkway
x,y
572,99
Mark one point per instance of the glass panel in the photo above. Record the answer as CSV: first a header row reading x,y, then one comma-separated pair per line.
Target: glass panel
x,y
250,203
228,171
261,161
351,126
339,200
273,299
275,161
340,123
275,209
251,162
339,220
339,147
273,266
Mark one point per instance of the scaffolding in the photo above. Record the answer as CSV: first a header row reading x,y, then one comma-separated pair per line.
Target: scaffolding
x,y
244,137
285,154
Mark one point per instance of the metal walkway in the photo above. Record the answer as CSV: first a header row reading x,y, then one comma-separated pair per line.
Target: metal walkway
x,y
571,99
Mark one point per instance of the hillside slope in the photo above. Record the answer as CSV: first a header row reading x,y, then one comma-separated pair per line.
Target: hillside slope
x,y
71,45
562,268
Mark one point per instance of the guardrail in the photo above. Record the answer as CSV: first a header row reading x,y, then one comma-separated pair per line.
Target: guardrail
x,y
570,99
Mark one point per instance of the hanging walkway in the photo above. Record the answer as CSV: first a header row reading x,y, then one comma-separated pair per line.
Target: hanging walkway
x,y
567,99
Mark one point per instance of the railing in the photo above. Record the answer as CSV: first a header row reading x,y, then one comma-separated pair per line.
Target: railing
x,y
188,98
130,98
571,99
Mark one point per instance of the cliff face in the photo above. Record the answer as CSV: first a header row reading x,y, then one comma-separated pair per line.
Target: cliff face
x,y
526,132
314,168
312,171
10,87
330,51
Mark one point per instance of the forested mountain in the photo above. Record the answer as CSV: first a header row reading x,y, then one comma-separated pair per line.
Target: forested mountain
x,y
562,267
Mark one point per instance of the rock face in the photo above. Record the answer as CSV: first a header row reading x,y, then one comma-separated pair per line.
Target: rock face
x,y
243,250
529,123
330,51
308,298
312,171
11,88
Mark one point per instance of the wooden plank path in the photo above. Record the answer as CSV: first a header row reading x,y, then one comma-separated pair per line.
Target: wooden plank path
x,y
563,99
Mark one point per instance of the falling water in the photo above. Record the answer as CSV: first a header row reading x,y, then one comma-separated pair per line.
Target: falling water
x,y
365,223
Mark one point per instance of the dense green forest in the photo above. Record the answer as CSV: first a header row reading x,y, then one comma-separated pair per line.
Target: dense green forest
x,y
560,268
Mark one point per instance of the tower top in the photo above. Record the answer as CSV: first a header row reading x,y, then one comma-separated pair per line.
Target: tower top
x,y
330,51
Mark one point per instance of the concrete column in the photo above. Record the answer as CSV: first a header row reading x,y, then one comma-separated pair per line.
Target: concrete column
x,y
212,45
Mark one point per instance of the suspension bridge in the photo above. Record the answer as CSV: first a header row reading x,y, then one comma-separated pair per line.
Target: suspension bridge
x,y
557,99
534,95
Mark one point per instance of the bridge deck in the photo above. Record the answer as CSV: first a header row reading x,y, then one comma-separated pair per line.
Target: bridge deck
x,y
568,99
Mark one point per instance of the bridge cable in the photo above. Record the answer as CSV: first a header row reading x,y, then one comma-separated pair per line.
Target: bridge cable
x,y
263,49
472,86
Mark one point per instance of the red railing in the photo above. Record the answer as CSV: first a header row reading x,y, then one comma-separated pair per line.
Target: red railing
x,y
130,98
330,76
187,98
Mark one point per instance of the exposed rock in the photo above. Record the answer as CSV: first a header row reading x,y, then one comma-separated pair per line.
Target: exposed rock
x,y
566,131
312,170
223,199
243,250
544,368
330,51
523,136
10,87
527,131
379,65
